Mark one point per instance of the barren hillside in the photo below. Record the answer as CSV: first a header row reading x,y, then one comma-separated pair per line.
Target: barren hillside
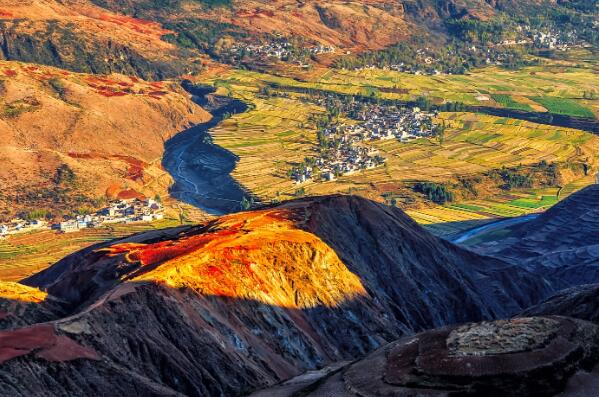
x,y
51,118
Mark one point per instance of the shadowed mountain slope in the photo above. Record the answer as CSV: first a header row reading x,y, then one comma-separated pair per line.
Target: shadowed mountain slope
x,y
562,244
252,299
21,305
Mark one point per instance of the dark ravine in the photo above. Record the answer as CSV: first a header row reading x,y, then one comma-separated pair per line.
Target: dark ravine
x,y
200,168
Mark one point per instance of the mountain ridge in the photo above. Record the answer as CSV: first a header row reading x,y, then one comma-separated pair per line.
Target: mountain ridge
x,y
260,297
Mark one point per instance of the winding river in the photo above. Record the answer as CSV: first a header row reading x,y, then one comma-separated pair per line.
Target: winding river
x,y
201,169
500,224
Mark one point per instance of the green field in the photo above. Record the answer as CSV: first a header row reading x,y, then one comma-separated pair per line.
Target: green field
x,y
564,106
507,101
454,218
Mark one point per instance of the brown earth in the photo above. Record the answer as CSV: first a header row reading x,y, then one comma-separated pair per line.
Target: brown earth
x,y
50,117
357,25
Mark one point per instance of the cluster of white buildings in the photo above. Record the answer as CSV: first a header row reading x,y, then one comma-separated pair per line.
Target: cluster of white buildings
x,y
387,122
21,226
121,211
343,158
322,49
346,149
402,67
279,49
547,39
553,40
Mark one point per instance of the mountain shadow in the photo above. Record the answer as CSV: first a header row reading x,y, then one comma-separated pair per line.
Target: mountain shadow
x,y
251,299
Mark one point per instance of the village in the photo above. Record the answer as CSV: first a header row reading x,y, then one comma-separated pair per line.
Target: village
x,y
280,49
543,39
121,211
343,147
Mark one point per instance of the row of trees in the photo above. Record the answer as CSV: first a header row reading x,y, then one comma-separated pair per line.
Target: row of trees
x,y
436,192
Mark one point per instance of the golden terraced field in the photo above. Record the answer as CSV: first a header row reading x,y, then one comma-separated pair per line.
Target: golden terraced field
x,y
276,132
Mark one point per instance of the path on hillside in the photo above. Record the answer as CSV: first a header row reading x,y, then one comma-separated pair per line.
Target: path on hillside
x,y
201,169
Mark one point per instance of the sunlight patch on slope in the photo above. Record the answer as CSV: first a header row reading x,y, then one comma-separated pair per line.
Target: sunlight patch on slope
x,y
261,256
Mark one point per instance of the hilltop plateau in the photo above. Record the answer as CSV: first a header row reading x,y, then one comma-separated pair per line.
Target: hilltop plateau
x,y
541,356
580,302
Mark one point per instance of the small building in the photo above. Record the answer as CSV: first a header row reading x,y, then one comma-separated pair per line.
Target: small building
x,y
68,227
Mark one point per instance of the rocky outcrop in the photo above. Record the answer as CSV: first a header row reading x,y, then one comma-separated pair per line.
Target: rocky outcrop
x,y
579,302
21,305
541,356
255,298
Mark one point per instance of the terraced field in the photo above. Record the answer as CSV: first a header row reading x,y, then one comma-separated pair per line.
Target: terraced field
x,y
451,219
269,138
24,254
553,88
276,132
548,88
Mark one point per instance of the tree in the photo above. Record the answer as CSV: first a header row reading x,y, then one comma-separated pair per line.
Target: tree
x,y
439,132
246,203
182,216
64,175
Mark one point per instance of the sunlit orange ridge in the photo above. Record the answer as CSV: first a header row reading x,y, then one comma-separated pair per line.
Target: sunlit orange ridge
x,y
260,255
